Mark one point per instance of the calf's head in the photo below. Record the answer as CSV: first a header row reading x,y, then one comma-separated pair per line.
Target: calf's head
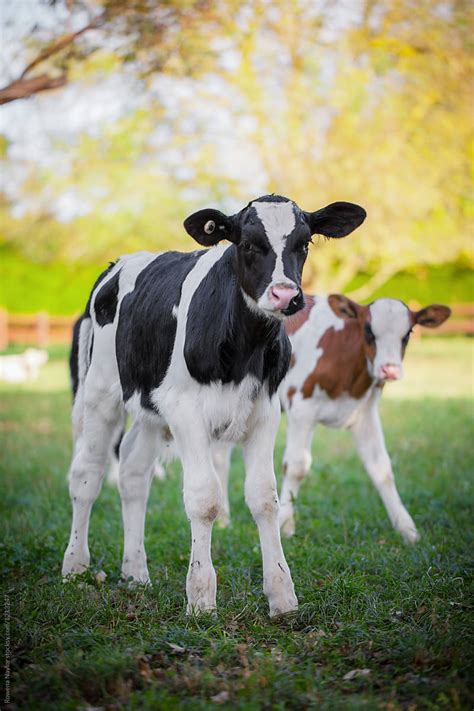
x,y
385,326
272,235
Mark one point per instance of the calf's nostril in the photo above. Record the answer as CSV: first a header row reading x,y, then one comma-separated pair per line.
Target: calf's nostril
x,y
390,372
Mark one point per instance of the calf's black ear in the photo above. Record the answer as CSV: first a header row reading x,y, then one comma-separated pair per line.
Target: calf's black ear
x,y
208,226
335,220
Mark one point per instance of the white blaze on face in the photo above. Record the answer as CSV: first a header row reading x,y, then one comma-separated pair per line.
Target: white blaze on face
x,y
390,323
278,220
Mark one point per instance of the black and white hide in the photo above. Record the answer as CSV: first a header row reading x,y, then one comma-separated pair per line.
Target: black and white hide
x,y
192,346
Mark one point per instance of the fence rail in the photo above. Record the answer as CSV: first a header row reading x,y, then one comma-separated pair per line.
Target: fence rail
x,y
42,329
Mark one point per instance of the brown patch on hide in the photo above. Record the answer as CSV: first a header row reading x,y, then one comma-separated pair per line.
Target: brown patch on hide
x,y
342,367
292,360
290,393
167,436
293,323
211,513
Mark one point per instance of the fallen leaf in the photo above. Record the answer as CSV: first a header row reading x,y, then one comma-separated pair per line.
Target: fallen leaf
x,y
396,615
176,648
100,577
354,673
144,668
276,654
221,697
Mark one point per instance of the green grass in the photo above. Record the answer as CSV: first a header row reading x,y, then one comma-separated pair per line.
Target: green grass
x,y
366,600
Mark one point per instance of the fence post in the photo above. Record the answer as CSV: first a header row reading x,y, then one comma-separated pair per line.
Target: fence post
x,y
42,329
3,329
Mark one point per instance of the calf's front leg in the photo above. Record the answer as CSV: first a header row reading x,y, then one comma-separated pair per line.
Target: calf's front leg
x,y
262,499
202,502
369,441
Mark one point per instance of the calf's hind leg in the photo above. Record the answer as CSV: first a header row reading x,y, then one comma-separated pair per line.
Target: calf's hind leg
x,y
262,500
102,410
138,451
370,444
296,465
221,453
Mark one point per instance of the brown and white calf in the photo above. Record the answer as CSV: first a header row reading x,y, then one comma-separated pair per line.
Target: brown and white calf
x,y
343,354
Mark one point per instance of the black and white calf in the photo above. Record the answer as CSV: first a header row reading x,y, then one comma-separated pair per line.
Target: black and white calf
x,y
193,347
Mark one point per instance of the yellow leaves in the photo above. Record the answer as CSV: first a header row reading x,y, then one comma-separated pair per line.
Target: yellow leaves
x,y
101,62
392,45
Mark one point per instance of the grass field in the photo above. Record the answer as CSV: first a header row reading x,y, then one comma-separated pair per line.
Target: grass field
x,y
367,602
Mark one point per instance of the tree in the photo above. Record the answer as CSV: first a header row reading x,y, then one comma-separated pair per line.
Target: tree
x,y
380,114
377,112
150,29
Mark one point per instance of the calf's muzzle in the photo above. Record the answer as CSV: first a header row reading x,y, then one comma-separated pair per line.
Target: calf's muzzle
x,y
286,298
390,371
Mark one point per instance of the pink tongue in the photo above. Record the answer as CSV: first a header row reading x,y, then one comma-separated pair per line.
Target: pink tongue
x,y
280,296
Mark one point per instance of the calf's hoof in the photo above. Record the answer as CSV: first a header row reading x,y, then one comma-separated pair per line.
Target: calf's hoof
x,y
279,589
201,587
282,604
405,525
137,574
410,535
200,607
74,563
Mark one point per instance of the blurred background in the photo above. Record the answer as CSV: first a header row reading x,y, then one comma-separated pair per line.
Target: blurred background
x,y
121,117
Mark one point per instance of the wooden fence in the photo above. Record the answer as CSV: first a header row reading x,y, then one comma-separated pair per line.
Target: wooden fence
x,y
42,329
39,329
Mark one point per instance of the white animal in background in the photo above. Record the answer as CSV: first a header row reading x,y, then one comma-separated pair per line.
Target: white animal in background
x,y
22,367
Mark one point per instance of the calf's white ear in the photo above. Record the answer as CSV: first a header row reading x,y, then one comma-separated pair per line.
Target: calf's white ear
x,y
335,220
432,316
343,307
208,226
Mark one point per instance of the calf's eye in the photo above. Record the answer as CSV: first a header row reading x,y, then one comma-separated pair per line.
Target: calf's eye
x,y
406,337
304,246
246,246
369,334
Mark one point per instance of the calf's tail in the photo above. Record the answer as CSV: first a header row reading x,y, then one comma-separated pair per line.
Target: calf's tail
x,y
81,348
79,362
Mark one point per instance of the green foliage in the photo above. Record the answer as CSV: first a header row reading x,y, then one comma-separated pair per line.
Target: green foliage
x,y
449,283
366,600
398,136
378,112
62,288
59,288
